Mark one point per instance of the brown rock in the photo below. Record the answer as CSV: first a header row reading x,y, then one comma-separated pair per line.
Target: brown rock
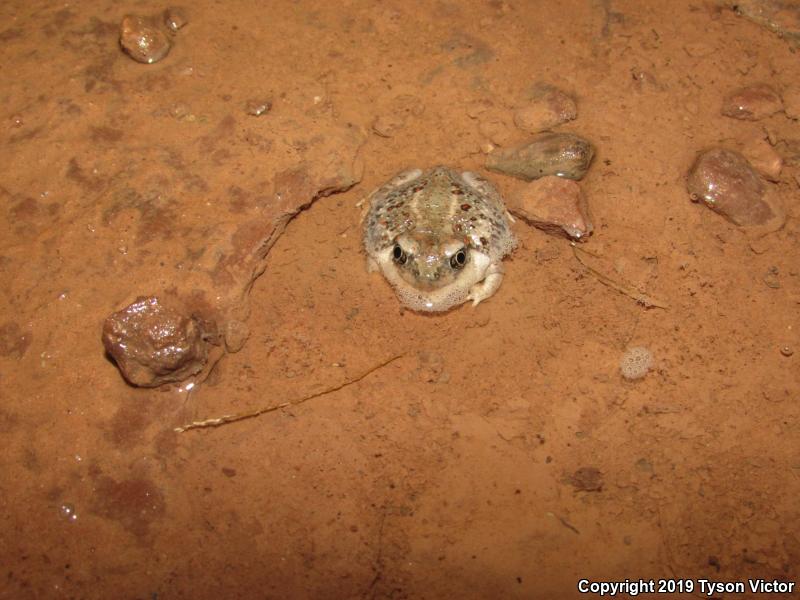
x,y
752,103
729,185
550,107
555,205
142,40
153,344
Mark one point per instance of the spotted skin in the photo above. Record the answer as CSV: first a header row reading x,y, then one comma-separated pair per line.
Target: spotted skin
x,y
438,236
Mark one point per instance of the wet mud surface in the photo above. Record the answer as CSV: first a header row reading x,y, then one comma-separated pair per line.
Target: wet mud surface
x,y
501,453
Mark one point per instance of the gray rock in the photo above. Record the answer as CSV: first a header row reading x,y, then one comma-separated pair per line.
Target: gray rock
x,y
561,154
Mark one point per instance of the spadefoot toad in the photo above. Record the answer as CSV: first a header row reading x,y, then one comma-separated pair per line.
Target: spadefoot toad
x,y
439,237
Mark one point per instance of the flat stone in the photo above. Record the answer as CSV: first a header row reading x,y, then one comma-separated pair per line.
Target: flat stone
x,y
726,182
554,205
752,103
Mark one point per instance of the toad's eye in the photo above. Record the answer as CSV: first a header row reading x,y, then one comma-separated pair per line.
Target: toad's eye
x,y
399,255
459,259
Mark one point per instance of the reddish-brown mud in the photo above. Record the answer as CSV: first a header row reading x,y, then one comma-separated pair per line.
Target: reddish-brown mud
x,y
502,454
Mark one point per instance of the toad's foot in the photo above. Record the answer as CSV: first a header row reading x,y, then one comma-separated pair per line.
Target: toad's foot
x,y
486,288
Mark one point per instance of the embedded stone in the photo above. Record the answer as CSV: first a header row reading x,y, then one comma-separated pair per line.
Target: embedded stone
x,y
153,344
554,205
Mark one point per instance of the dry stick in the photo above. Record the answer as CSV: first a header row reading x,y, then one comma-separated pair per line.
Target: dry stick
x,y
252,414
628,290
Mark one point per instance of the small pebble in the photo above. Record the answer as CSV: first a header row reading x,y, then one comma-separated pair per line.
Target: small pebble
x,y
728,184
142,41
771,280
257,108
787,351
554,205
645,80
562,154
549,107
175,18
752,103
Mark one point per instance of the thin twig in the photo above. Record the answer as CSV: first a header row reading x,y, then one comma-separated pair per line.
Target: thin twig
x,y
225,419
622,288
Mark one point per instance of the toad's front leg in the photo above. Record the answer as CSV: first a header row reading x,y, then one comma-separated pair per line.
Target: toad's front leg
x,y
486,288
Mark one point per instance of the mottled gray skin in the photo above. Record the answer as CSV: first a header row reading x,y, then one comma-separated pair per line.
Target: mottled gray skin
x,y
439,237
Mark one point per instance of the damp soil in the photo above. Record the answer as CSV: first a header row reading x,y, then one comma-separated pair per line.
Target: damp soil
x,y
500,454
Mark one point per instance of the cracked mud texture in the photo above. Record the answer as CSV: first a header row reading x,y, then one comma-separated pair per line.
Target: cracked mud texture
x,y
445,473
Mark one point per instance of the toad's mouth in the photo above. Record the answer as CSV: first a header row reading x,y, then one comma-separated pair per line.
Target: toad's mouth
x,y
436,294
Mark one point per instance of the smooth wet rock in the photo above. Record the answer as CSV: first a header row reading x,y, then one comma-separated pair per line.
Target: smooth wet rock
x,y
142,40
554,205
726,182
562,154
153,344
175,18
549,107
752,103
